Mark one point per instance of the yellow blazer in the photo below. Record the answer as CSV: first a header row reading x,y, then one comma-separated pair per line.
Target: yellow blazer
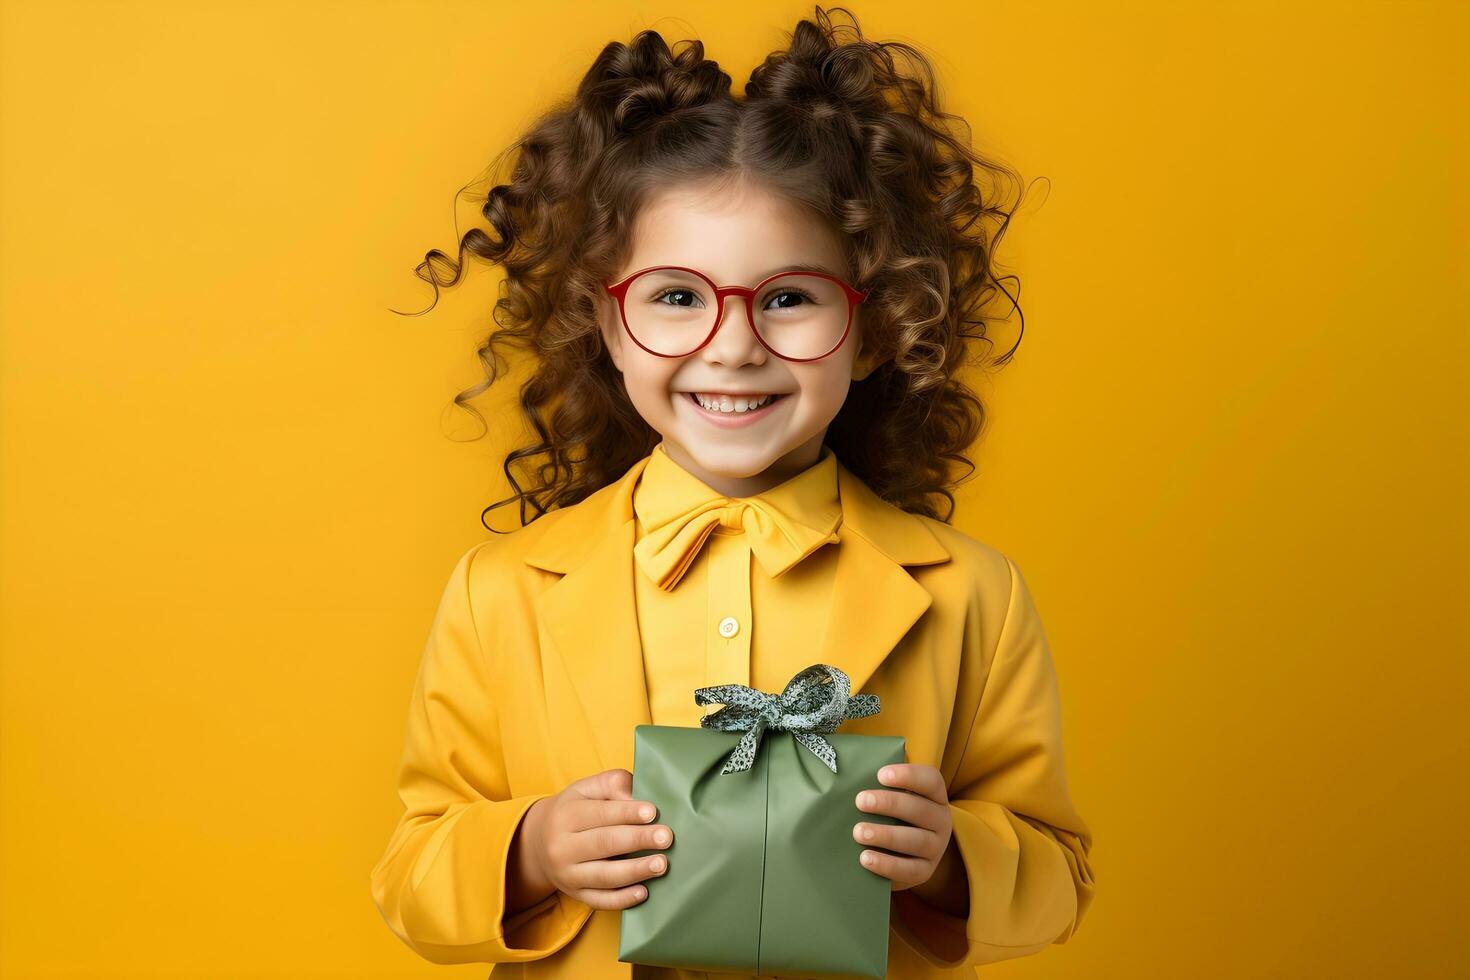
x,y
532,678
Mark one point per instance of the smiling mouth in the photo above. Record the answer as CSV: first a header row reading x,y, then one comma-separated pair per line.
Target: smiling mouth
x,y
717,405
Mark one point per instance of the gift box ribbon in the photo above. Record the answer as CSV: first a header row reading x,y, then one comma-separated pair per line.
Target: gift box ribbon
x,y
814,702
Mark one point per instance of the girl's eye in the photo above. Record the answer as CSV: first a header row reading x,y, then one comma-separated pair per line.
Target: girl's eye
x,y
674,292
687,298
802,293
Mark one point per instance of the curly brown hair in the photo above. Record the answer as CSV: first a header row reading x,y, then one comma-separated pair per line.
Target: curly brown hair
x,y
833,123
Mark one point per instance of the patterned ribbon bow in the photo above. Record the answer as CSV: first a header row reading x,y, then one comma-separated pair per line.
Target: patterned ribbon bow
x,y
807,707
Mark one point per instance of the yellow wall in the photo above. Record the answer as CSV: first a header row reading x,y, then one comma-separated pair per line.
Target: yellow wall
x,y
1231,457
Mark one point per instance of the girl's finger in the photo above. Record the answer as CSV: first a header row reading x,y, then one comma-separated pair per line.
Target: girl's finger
x,y
611,841
610,784
612,874
916,841
900,870
927,781
619,898
586,814
908,807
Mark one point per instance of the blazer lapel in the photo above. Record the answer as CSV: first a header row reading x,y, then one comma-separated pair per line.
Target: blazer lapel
x,y
875,601
589,615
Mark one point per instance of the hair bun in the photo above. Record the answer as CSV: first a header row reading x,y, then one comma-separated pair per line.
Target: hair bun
x,y
636,86
821,73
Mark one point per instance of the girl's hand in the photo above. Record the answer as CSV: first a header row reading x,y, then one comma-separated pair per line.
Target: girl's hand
x,y
571,837
922,801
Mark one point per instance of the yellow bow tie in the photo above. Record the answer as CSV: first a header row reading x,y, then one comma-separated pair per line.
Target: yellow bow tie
x,y
777,540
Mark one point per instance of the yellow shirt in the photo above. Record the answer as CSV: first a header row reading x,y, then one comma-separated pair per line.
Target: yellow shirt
x,y
714,623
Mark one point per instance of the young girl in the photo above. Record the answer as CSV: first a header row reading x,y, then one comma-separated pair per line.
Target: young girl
x,y
747,318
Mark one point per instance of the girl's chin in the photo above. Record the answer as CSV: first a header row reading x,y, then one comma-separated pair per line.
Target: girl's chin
x,y
728,460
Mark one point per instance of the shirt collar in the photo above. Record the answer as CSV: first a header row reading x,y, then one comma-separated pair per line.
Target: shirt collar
x,y
665,490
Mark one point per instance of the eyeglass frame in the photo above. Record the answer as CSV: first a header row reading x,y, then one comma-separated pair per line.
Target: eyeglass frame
x,y
854,298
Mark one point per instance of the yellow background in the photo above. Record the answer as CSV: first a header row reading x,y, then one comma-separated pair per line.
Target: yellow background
x,y
1231,457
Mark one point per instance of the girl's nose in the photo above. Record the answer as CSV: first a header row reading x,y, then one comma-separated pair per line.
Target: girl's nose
x,y
734,340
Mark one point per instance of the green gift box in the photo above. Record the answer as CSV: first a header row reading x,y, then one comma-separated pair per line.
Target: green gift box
x,y
763,874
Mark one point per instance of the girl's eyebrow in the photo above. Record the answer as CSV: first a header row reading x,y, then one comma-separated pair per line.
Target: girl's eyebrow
x,y
799,268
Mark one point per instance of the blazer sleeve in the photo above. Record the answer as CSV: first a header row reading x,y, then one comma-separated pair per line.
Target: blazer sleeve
x,y
1023,845
441,882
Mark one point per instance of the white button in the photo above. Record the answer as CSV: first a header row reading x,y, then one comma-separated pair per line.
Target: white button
x,y
729,626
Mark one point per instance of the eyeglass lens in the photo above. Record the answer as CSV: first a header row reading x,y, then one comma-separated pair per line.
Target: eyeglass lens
x,y
800,316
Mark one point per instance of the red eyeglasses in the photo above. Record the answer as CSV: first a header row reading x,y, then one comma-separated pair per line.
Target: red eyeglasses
x,y
815,322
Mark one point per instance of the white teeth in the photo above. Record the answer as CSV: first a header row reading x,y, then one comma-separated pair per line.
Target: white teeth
x,y
731,406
